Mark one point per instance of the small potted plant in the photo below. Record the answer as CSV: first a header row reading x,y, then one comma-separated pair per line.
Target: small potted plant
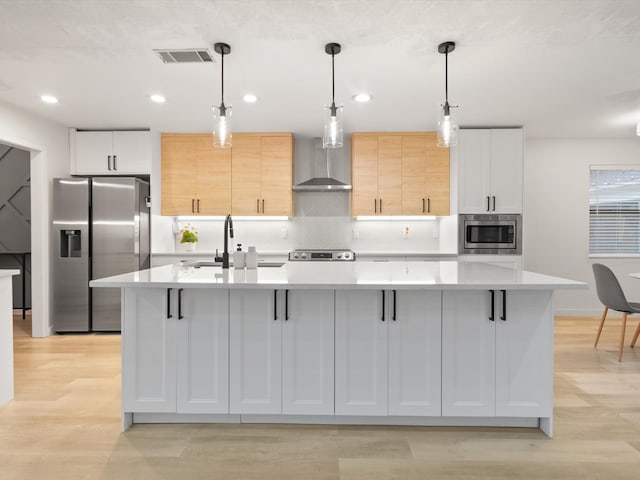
x,y
189,237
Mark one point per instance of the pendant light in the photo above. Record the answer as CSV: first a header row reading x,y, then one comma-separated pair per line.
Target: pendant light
x,y
332,137
222,113
447,128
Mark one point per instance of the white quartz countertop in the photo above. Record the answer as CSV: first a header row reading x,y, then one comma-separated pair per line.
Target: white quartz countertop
x,y
8,273
345,275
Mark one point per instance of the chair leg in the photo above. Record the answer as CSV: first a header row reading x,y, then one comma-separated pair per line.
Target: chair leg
x,y
624,326
635,336
604,315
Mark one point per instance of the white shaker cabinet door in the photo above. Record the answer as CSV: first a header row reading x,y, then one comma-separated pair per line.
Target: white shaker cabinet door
x,y
132,152
524,354
474,171
307,353
255,345
506,170
203,351
468,354
148,351
414,353
361,353
93,153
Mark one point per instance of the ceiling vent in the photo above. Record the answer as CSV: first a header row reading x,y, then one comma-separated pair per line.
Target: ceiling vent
x,y
189,55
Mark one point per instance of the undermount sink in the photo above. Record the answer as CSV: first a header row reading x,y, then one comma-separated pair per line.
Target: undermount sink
x,y
209,263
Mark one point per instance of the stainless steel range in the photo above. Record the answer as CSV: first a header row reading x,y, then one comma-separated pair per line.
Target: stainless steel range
x,y
304,255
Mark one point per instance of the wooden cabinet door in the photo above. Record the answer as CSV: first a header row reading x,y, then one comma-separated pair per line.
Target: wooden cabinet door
x,y
524,354
213,177
414,175
246,174
468,354
131,152
255,345
361,353
148,352
276,175
364,174
178,174
93,153
390,175
438,183
203,351
308,353
506,170
474,171
414,354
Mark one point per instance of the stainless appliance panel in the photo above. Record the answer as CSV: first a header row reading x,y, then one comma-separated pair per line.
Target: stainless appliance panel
x,y
308,255
70,256
116,243
490,234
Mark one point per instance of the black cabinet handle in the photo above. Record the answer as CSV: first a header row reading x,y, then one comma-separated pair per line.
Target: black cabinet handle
x,y
394,306
488,204
375,205
115,165
169,303
109,162
198,206
257,205
180,316
286,304
503,317
193,205
493,297
494,203
423,209
383,306
380,205
263,206
428,205
275,304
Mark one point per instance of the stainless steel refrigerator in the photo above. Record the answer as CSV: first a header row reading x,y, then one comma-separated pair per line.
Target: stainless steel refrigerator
x,y
100,228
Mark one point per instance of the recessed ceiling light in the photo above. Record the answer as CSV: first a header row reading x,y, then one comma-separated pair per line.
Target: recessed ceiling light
x,y
158,98
250,98
49,99
362,97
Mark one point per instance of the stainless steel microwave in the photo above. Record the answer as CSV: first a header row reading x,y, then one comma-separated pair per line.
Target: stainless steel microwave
x,y
490,234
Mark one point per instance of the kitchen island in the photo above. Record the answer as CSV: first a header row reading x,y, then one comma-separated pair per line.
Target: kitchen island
x,y
6,334
385,343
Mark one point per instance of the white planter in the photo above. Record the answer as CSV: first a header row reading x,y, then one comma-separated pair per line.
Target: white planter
x,y
189,246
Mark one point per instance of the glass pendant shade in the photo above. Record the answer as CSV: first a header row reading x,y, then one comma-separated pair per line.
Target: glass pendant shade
x,y
333,130
447,128
222,126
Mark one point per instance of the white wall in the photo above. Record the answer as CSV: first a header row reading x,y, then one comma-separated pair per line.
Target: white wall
x,y
556,215
48,143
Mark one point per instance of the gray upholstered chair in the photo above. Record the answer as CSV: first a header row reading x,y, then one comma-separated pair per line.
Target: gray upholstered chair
x,y
612,297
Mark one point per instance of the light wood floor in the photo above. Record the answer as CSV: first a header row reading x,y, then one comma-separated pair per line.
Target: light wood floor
x,y
64,424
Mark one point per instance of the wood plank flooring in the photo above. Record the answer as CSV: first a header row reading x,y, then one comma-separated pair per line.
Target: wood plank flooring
x,y
64,424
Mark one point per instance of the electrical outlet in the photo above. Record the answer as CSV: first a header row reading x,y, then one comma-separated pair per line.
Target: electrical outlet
x,y
355,234
284,233
405,233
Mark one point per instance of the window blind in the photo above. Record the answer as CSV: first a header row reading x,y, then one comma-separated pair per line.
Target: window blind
x,y
614,213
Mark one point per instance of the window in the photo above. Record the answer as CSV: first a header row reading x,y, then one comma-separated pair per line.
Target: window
x,y
614,211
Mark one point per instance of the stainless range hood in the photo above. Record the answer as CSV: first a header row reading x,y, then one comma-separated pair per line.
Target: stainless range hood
x,y
325,182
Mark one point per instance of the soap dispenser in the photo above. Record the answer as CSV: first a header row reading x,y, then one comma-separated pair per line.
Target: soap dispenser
x,y
238,257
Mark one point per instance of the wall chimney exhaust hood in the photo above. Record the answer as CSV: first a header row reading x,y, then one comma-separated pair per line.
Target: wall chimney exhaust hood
x,y
325,182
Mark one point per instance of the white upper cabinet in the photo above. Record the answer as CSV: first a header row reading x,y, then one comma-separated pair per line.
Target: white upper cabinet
x,y
490,170
110,153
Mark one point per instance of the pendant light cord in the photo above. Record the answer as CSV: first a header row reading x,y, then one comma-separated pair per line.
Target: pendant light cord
x,y
333,80
446,77
222,94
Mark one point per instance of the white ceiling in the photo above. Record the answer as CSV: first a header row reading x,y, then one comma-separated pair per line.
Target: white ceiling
x,y
560,68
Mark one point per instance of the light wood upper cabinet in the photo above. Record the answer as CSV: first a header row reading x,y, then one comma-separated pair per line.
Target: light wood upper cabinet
x,y
262,174
254,177
196,176
399,174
